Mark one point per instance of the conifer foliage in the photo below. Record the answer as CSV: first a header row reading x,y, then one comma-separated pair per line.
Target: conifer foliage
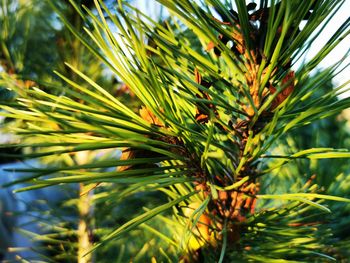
x,y
213,91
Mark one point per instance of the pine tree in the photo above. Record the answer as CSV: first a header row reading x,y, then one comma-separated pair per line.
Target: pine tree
x,y
209,130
